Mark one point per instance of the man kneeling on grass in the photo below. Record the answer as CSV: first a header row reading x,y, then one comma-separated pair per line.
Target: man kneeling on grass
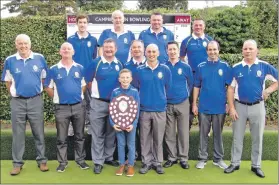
x,y
65,83
128,133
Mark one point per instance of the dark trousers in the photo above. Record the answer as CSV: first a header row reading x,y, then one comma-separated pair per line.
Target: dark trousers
x,y
64,114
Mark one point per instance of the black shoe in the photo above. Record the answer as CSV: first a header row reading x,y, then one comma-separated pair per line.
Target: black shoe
x,y
258,172
231,168
144,169
184,164
61,168
98,168
159,169
112,163
169,163
83,166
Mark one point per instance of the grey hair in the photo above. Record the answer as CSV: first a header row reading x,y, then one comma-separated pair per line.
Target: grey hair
x,y
117,12
252,41
23,36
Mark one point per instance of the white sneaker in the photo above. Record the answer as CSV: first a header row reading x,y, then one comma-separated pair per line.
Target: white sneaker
x,y
221,164
200,164
71,129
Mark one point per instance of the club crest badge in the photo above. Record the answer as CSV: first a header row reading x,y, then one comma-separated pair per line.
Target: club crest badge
x,y
17,70
35,68
204,44
117,68
59,76
76,74
220,72
160,75
89,44
165,37
259,73
125,40
179,71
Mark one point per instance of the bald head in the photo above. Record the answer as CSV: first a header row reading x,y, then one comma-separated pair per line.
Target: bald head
x,y
66,50
212,50
214,43
151,53
153,46
68,45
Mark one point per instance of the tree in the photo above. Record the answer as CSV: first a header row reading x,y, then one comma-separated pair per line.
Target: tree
x,y
267,16
40,7
232,27
97,5
168,4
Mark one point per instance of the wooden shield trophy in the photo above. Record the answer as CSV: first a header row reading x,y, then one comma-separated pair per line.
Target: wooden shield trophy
x,y
123,110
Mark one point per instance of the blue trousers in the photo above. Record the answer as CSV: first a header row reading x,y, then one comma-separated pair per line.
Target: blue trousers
x,y
124,137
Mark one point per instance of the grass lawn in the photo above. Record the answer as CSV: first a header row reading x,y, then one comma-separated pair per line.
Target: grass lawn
x,y
210,174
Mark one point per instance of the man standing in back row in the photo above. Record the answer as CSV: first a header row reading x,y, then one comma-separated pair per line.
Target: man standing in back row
x,y
120,35
194,47
85,47
157,34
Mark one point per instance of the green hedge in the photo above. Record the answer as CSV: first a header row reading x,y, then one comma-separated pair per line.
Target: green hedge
x,y
270,146
48,33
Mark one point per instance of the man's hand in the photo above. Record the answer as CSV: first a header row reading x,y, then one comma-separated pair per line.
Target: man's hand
x,y
117,127
129,128
233,114
266,94
195,109
227,108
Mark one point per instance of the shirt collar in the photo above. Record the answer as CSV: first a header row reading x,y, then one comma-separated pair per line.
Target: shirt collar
x,y
151,31
125,89
124,31
105,60
141,62
31,56
175,63
196,37
208,59
146,64
81,37
60,65
244,63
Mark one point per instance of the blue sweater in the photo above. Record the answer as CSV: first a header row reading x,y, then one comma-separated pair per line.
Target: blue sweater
x,y
85,49
182,78
212,79
153,87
